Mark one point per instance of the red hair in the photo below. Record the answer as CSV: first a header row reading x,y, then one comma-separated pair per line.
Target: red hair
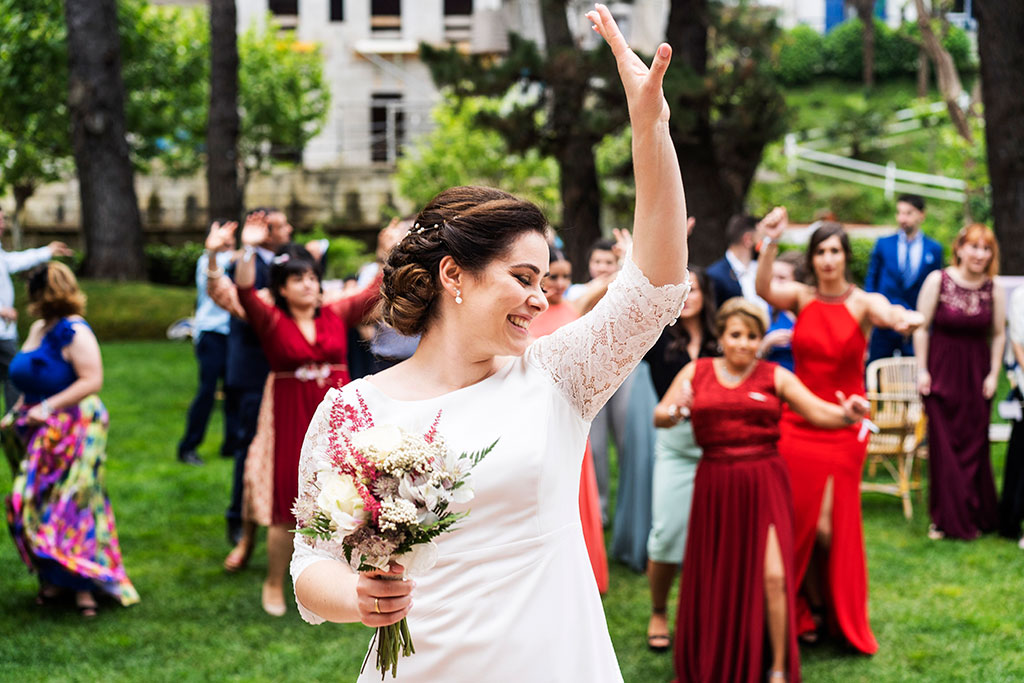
x,y
978,232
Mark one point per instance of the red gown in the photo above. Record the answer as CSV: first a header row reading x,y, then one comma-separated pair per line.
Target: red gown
x,y
320,365
828,350
590,502
742,488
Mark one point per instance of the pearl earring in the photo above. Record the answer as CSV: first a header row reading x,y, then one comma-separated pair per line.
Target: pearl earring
x,y
458,296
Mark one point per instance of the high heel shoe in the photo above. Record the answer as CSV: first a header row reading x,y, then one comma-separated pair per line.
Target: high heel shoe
x,y
238,558
272,604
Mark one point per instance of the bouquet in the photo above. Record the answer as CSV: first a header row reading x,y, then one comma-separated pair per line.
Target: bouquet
x,y
383,494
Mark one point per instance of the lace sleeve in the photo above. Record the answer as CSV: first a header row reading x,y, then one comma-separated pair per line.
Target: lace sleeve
x,y
589,358
309,551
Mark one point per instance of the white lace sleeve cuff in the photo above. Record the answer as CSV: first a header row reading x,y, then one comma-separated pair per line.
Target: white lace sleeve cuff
x,y
302,559
589,358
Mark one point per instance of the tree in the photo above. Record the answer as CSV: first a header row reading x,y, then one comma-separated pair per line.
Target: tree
x,y
110,211
459,152
865,12
33,103
726,106
945,71
223,190
560,103
1000,27
282,97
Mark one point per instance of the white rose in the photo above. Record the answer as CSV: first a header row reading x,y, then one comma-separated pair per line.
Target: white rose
x,y
419,559
381,439
340,500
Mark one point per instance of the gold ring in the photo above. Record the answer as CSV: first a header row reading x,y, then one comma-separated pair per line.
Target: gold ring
x,y
376,605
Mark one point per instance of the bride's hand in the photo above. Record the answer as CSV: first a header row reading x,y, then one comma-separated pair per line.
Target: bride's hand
x,y
644,96
383,601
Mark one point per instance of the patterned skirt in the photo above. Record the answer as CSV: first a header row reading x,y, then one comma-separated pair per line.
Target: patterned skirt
x,y
58,511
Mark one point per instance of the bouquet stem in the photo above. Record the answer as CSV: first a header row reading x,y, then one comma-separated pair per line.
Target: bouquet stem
x,y
392,641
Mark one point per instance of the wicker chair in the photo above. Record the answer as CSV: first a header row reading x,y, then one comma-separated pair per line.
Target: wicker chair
x,y
897,411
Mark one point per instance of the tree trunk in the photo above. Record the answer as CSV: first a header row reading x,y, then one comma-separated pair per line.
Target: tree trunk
x,y
222,183
922,73
945,72
110,210
865,12
1000,27
574,150
709,198
22,192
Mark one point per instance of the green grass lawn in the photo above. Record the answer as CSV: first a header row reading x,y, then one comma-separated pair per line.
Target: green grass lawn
x,y
941,611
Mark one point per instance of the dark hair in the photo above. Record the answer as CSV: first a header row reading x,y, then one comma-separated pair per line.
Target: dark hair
x,y
824,231
263,209
556,254
290,259
473,225
916,201
738,226
679,336
600,245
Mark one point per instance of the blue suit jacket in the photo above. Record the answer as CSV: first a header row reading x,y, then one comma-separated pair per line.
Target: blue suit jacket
x,y
724,279
247,365
884,274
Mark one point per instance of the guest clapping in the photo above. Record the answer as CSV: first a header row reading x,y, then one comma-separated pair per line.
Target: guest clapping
x,y
959,353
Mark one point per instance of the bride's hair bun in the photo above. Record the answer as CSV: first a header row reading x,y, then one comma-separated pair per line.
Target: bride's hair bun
x,y
473,225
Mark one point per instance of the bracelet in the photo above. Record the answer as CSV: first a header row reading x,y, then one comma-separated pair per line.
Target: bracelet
x,y
214,274
247,253
848,420
767,242
673,412
47,408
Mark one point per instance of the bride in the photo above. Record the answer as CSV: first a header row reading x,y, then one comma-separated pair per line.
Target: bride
x,y
513,580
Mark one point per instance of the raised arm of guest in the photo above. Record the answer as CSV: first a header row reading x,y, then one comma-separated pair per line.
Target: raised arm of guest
x,y
785,296
218,285
848,411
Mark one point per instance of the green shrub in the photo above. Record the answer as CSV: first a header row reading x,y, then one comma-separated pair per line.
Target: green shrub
x,y
958,45
801,55
166,265
844,50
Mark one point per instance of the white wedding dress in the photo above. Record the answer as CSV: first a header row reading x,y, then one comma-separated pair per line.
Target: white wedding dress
x,y
512,596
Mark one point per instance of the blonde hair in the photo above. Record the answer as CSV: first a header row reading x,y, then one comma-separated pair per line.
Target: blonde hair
x,y
750,313
53,292
982,233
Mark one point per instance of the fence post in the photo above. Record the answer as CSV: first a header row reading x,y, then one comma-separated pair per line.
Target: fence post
x,y
890,180
791,153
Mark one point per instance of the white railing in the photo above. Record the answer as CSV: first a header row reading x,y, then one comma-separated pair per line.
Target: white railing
x,y
808,157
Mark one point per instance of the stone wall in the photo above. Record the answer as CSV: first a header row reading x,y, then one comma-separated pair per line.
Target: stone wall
x,y
346,200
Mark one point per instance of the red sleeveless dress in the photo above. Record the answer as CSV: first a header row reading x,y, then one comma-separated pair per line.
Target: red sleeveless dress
x,y
742,487
828,350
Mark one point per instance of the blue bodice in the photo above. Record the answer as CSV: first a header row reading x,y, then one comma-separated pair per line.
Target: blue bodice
x,y
43,371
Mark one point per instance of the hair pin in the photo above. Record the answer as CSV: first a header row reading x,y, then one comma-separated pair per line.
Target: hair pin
x,y
281,258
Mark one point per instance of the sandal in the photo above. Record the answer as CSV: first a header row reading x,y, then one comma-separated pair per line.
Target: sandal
x,y
812,638
47,595
935,533
273,608
775,675
88,610
658,642
238,558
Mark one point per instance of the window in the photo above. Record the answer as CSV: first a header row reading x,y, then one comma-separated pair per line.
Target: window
x,y
284,7
337,10
386,16
457,7
387,127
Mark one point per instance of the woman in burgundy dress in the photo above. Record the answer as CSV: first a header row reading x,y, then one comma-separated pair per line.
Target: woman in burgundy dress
x,y
834,319
306,347
738,584
958,370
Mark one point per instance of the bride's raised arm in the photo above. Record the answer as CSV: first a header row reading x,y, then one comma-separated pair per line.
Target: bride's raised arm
x,y
659,221
591,357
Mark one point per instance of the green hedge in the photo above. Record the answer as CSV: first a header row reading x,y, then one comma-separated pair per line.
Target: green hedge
x,y
802,54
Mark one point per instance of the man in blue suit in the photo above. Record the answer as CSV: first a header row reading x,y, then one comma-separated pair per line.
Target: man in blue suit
x,y
899,265
733,275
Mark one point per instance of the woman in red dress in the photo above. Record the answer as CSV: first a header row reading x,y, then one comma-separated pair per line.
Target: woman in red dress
x,y
306,347
738,585
560,312
834,319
